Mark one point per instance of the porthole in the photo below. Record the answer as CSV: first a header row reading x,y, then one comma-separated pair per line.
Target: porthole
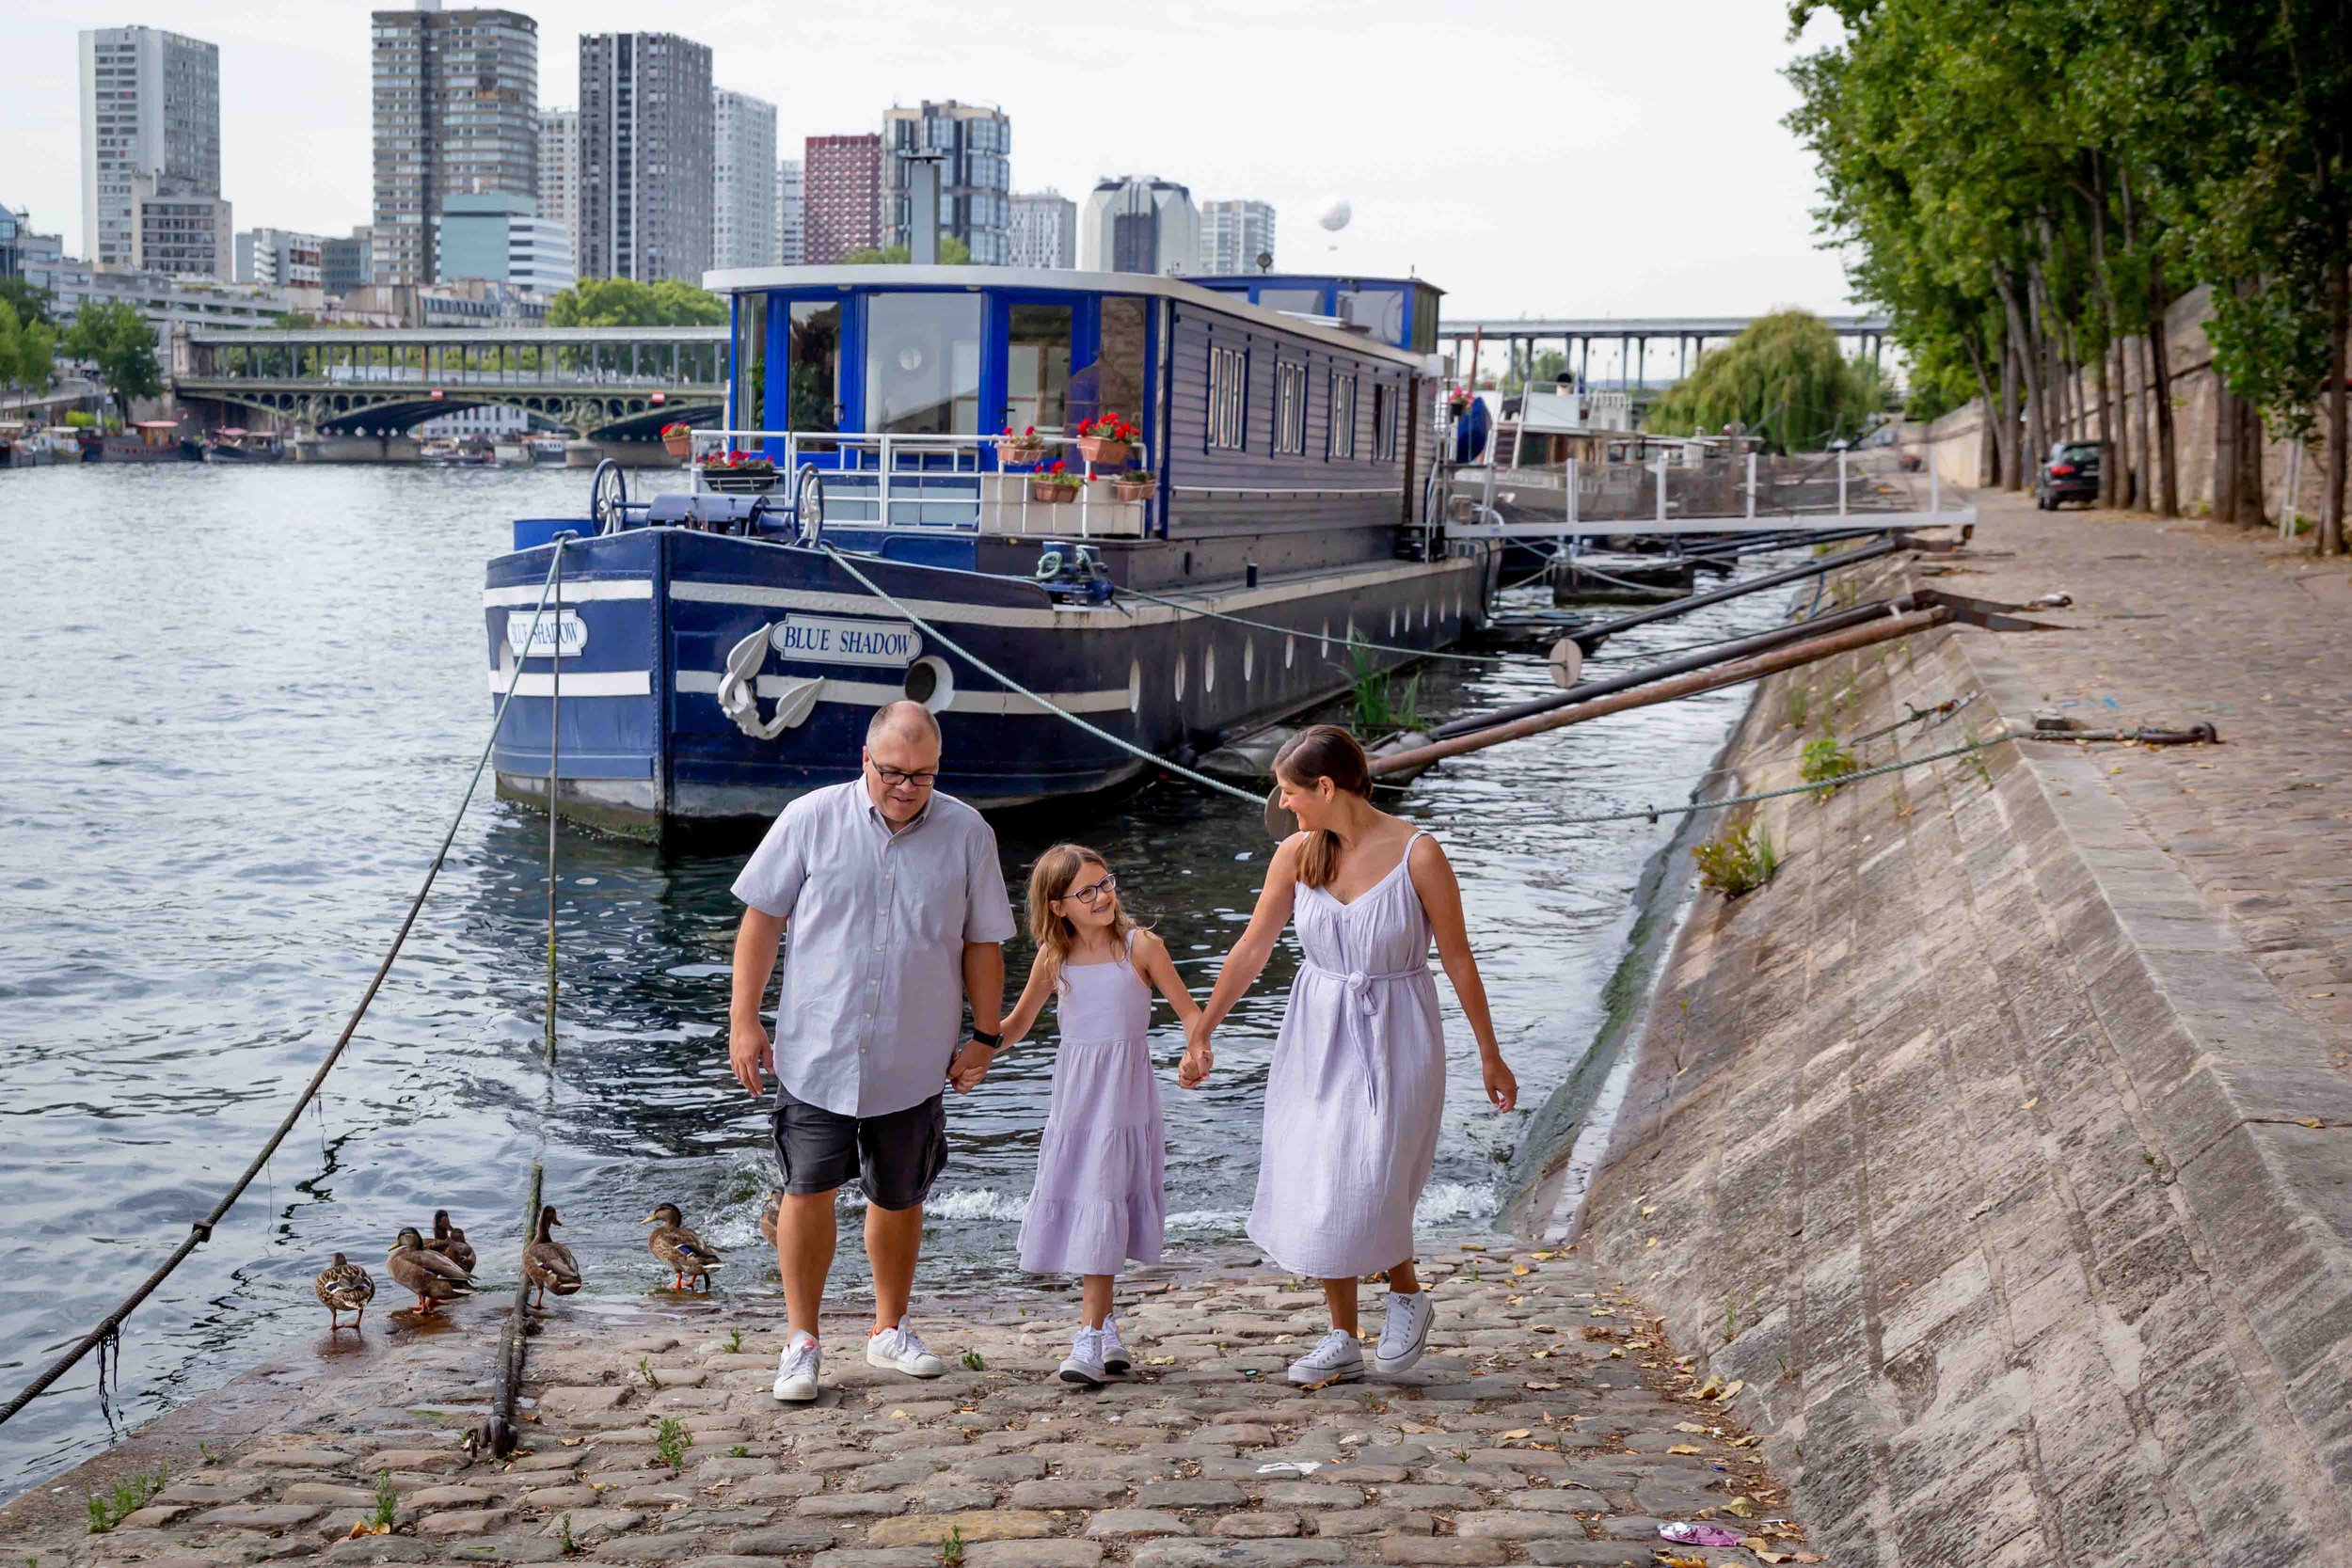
x,y
1290,651
931,683
1424,615
1180,677
1322,645
1208,672
1248,661
1134,686
1392,619
1351,629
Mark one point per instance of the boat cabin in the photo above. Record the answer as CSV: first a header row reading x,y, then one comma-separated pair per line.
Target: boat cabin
x,y
948,407
1399,311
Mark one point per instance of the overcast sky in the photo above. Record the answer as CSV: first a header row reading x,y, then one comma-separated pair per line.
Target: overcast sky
x,y
1529,156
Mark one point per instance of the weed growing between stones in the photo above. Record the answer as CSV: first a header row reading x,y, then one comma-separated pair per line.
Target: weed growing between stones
x,y
387,1502
1737,860
1796,705
735,1340
129,1495
1824,761
739,1452
973,1363
671,1440
645,1371
952,1549
1974,761
570,1548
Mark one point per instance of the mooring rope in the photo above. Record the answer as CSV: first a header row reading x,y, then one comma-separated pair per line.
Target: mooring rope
x,y
201,1230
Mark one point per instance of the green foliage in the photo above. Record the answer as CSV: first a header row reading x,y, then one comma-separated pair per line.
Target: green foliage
x,y
973,1362
80,419
1824,760
1785,378
127,1497
1378,703
1737,860
30,302
952,1549
387,1501
28,350
118,341
1797,705
952,253
644,1369
671,1440
735,1340
626,302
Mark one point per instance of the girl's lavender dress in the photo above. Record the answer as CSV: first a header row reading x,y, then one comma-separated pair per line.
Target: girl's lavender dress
x,y
1099,1198
1356,1089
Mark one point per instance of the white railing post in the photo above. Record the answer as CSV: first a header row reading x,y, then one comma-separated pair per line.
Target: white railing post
x,y
1486,504
1569,474
1841,481
1661,489
882,489
1750,487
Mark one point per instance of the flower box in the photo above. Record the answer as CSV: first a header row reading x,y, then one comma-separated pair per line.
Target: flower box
x,y
1052,494
1103,453
1019,454
1136,487
678,440
739,479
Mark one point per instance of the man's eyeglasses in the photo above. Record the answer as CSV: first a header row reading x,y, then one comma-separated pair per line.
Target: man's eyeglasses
x,y
1094,893
899,779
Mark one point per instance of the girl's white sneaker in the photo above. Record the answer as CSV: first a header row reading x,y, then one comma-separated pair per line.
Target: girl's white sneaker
x,y
1085,1362
1114,1355
1337,1358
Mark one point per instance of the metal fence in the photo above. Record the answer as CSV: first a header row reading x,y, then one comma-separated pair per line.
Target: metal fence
x,y
1828,487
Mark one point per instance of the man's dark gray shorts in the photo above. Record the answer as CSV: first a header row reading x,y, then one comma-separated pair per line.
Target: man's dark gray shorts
x,y
895,1158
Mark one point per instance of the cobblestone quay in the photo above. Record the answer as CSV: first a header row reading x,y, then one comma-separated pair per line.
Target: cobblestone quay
x,y
2003,1144
1550,1424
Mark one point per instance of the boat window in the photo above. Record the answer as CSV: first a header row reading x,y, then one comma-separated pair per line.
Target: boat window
x,y
923,364
1378,311
1290,407
1037,368
815,365
1114,383
750,362
1307,302
1229,399
1383,422
1343,415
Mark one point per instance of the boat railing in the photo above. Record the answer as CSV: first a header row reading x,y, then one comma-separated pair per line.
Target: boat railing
x,y
1716,493
944,482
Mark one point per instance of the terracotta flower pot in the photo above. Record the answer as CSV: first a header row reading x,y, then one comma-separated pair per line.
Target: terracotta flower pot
x,y
679,443
1052,494
1017,454
1136,489
1102,451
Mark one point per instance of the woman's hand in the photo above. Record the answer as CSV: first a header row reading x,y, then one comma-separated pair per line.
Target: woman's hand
x,y
1199,1055
1502,1088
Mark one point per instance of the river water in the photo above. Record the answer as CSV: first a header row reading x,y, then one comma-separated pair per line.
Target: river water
x,y
239,708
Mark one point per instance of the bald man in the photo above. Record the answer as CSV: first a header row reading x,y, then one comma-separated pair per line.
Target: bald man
x,y
898,912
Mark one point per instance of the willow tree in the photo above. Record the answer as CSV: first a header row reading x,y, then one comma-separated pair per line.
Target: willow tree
x,y
1784,379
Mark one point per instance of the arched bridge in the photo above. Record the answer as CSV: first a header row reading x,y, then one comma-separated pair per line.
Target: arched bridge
x,y
600,382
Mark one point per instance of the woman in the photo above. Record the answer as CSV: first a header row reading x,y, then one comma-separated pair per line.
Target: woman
x,y
1358,1085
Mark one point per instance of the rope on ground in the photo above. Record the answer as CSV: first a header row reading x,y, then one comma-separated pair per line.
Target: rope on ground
x,y
1351,641
201,1230
1008,683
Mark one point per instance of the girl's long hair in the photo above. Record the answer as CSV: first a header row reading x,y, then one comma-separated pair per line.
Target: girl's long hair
x,y
1323,752
1056,934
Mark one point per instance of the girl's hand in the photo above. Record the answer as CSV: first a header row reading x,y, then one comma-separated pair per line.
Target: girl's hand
x,y
1502,1088
1194,1070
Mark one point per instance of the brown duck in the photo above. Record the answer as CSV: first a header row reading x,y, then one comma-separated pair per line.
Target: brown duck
x,y
548,1263
449,1242
430,1276
769,1212
686,1253
345,1286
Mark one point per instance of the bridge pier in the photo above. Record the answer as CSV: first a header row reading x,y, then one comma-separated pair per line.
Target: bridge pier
x,y
628,454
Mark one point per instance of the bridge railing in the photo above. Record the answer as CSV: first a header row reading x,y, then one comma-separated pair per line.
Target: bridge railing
x,y
916,481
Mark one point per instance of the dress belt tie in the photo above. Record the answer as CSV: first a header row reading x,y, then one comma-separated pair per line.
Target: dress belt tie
x,y
1363,1007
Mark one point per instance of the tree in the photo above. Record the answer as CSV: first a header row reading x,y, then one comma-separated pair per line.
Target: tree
x,y
1785,378
626,302
952,253
117,339
30,302
27,349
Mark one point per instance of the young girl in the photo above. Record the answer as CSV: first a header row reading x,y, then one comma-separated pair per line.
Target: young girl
x,y
1098,1199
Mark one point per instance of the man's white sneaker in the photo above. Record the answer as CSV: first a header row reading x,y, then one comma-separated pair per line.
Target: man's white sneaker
x,y
1404,1332
1114,1356
1085,1362
902,1350
1337,1358
796,1370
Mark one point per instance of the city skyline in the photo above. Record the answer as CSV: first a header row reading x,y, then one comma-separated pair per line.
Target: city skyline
x,y
1482,214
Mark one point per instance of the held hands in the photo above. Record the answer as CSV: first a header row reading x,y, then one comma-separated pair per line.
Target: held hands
x,y
969,1064
1502,1088
749,1055
1199,1058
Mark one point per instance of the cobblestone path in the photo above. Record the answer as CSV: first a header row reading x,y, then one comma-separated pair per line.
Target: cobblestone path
x,y
1550,1424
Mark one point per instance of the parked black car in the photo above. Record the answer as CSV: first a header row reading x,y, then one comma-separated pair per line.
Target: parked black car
x,y
2070,474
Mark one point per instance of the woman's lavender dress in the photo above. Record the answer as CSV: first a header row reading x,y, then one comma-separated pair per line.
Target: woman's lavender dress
x,y
1099,1198
1356,1089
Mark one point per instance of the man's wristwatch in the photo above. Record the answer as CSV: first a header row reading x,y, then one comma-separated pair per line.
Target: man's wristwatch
x,y
994,1042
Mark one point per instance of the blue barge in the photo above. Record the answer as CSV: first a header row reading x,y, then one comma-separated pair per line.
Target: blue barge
x,y
717,658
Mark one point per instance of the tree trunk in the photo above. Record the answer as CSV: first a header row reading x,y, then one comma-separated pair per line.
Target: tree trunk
x,y
2022,349
1989,430
2332,528
2013,468
2115,427
2143,441
2168,481
2250,511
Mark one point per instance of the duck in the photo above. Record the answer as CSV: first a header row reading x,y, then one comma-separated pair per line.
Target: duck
x,y
685,1251
449,1242
769,1213
548,1263
429,1274
345,1286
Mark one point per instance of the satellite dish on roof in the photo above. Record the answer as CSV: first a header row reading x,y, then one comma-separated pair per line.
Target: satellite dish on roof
x,y
1335,214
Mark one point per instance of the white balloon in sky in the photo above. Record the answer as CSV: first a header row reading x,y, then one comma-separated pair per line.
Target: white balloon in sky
x,y
1335,214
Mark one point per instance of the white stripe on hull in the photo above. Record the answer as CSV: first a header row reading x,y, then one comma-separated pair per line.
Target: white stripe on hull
x,y
874,694
574,592
587,683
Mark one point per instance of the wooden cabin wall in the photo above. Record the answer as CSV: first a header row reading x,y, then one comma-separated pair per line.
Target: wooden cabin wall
x,y
1191,467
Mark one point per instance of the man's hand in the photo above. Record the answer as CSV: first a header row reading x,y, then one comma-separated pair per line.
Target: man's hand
x,y
749,1055
969,1064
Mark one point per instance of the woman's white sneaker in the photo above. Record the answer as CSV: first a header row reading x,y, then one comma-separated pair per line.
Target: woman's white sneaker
x,y
1404,1331
1085,1362
1114,1356
796,1370
901,1350
1337,1358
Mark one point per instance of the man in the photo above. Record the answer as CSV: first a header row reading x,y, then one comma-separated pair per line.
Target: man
x,y
897,910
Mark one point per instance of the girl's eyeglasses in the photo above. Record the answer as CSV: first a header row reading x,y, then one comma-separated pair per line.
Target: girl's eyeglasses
x,y
1094,893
